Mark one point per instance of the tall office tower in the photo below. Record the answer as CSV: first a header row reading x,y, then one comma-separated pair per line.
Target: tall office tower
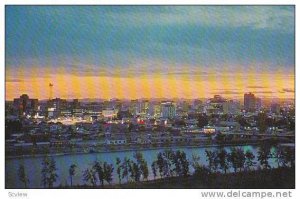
x,y
249,102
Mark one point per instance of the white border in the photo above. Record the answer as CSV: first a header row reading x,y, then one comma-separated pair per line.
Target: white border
x,y
137,193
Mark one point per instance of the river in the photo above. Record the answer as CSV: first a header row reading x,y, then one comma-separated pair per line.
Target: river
x,y
33,164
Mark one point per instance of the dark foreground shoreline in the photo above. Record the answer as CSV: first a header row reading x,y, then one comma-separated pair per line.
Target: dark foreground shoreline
x,y
279,178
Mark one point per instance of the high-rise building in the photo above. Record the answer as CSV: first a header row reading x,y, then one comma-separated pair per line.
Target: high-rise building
x,y
25,105
168,110
249,102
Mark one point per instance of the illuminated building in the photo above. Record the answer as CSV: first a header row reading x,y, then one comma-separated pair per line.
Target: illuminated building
x,y
157,110
143,107
52,113
133,107
109,113
168,110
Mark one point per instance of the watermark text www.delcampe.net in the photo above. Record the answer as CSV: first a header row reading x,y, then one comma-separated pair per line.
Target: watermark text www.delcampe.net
x,y
246,194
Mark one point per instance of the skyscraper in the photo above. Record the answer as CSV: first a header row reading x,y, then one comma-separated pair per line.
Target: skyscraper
x,y
249,102
25,105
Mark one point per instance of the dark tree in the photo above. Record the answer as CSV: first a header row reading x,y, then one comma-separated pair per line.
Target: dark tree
x,y
165,163
212,160
89,175
233,159
22,175
142,165
195,161
249,159
181,163
201,171
98,168
176,162
240,158
134,170
119,169
48,172
154,169
184,164
160,164
168,155
108,170
263,156
223,160
72,172
125,168
279,157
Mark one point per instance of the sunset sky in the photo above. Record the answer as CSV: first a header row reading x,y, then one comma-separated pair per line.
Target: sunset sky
x,y
149,51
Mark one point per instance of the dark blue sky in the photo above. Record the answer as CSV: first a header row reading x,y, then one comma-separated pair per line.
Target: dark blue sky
x,y
206,37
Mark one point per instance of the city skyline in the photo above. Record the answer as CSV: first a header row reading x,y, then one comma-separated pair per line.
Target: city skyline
x,y
129,52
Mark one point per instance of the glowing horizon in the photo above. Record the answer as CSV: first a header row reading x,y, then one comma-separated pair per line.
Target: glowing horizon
x,y
230,85
150,51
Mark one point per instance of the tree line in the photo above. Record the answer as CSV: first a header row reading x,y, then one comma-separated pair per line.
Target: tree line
x,y
167,164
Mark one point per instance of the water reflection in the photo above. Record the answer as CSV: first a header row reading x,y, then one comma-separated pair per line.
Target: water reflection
x,y
84,161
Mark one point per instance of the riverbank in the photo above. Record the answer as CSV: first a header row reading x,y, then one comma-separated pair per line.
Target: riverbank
x,y
139,148
276,178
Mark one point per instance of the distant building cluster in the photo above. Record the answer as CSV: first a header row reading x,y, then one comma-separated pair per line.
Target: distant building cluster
x,y
56,125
